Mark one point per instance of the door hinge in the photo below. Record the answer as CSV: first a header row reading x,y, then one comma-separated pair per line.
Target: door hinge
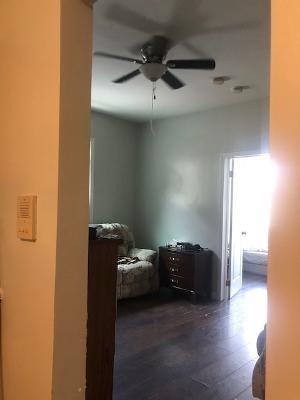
x,y
228,282
231,173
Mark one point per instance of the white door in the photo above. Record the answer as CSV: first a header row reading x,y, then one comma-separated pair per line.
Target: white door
x,y
235,245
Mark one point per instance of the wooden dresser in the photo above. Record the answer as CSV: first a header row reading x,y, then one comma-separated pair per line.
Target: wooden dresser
x,y
102,278
189,271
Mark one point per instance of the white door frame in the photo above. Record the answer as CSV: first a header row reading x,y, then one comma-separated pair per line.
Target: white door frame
x,y
225,204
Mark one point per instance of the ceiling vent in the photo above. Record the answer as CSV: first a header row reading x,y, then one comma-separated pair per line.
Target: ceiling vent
x,y
220,80
240,88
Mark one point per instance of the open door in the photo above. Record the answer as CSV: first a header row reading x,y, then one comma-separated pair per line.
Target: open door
x,y
235,243
248,187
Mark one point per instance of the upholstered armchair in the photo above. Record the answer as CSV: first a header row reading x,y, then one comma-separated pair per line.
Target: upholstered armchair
x,y
259,372
137,272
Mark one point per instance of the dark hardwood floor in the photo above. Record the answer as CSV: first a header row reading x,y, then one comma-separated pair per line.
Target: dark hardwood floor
x,y
170,349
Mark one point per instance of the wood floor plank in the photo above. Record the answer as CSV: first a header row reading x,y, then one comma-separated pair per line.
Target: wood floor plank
x,y
168,348
219,370
245,395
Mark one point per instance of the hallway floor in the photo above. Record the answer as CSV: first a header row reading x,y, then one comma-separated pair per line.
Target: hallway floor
x,y
170,349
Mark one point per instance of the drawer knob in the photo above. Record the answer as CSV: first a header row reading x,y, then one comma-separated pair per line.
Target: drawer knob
x,y
174,269
174,281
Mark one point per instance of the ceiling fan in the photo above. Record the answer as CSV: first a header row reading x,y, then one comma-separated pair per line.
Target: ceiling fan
x,y
153,65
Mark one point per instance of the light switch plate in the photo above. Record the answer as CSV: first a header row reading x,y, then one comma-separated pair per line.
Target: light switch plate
x,y
26,217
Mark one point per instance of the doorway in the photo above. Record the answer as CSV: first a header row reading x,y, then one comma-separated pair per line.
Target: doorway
x,y
248,186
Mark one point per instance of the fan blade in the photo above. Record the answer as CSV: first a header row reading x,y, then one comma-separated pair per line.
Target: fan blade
x,y
131,19
126,77
192,64
172,80
115,57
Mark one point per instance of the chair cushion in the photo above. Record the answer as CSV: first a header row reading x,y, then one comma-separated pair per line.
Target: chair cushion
x,y
136,279
139,271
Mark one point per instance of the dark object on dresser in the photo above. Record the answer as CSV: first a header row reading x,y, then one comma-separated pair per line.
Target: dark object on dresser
x,y
190,271
189,246
102,277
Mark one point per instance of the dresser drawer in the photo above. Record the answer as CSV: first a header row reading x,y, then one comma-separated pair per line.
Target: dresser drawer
x,y
189,270
174,258
184,270
177,258
180,282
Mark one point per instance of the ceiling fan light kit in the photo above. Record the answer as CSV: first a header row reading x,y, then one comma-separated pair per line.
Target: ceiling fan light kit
x,y
153,71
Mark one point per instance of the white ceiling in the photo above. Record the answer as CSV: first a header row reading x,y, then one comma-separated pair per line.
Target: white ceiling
x,y
234,32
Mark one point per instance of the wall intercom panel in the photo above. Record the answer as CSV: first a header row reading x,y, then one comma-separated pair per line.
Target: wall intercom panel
x,y
26,217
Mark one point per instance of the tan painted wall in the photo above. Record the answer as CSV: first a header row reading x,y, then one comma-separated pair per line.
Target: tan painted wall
x,y
29,126
73,209
283,348
37,155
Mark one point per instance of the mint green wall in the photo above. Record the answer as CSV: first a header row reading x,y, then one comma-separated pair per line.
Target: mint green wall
x,y
179,176
169,185
114,169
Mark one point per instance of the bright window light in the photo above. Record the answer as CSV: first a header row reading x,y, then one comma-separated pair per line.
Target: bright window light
x,y
254,182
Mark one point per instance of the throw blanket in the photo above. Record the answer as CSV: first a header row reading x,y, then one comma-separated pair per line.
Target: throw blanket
x,y
127,260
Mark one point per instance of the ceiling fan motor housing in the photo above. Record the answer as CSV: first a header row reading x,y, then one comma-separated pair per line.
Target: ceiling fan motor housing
x,y
153,71
156,49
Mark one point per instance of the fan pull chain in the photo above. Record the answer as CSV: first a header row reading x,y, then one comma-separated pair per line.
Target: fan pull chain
x,y
152,106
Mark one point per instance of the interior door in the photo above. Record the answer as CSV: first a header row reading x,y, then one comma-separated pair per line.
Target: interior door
x,y
235,245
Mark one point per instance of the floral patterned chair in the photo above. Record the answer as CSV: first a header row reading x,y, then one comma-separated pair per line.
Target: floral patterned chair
x,y
258,377
137,272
